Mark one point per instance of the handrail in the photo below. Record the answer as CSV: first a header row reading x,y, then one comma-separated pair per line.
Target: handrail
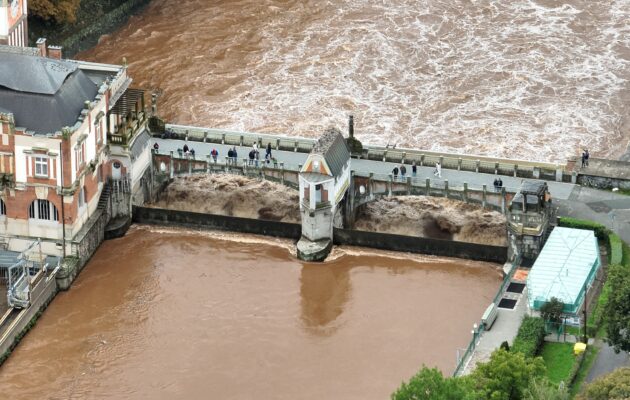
x,y
409,153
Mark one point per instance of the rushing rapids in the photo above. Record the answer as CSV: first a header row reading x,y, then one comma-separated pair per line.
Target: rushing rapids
x,y
532,79
167,313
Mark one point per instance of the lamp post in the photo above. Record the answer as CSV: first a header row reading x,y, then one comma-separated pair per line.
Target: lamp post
x,y
475,333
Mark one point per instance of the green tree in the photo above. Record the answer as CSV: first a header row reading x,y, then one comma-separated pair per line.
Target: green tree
x,y
617,309
613,386
552,310
430,384
507,375
541,389
60,11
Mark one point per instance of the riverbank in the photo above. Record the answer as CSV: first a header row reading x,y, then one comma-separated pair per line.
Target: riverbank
x,y
94,18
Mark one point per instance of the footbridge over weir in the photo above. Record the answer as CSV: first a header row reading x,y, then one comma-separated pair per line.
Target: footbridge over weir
x,y
464,177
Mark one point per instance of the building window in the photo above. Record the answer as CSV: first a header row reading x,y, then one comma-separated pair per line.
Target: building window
x,y
82,197
43,209
3,208
99,133
41,167
80,155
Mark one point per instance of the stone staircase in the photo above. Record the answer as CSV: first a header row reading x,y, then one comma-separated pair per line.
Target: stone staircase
x,y
104,199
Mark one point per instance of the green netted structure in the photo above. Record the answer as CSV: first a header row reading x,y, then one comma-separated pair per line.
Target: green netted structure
x,y
565,269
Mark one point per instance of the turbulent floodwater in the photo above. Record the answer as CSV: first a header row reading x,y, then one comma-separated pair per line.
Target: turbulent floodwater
x,y
532,79
171,314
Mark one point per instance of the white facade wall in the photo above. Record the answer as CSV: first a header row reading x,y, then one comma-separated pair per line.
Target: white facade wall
x,y
25,144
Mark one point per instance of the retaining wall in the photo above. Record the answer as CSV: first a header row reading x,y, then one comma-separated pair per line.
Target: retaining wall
x,y
410,244
160,216
383,241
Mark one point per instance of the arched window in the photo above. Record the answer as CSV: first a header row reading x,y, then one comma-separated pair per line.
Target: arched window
x,y
3,208
43,209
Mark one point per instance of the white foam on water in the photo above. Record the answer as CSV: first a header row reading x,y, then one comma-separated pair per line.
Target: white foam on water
x,y
524,79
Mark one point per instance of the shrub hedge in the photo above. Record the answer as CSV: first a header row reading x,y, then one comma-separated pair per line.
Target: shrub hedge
x,y
601,232
530,336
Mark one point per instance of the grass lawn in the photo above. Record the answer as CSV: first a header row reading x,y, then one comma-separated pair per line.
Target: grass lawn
x,y
559,360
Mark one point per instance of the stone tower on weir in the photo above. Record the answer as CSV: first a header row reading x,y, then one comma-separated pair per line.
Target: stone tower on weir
x,y
13,23
323,180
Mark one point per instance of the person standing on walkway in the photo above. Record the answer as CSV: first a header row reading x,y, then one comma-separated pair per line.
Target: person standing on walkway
x,y
587,155
252,154
186,148
234,155
403,172
156,148
230,155
496,184
215,153
438,170
584,159
395,173
414,169
268,153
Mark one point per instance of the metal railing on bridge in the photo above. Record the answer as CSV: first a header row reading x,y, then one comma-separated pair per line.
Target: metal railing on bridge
x,y
456,161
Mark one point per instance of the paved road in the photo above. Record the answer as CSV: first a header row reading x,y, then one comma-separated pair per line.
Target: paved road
x,y
610,209
607,361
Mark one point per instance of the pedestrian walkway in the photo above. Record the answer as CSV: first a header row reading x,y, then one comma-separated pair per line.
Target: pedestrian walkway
x,y
608,208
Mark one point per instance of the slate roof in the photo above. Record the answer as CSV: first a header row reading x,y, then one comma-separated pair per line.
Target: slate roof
x,y
333,147
533,187
43,94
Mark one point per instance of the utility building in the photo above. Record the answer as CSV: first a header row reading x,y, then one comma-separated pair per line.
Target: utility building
x,y
323,180
565,269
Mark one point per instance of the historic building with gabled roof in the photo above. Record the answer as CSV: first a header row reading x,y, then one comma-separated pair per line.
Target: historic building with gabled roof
x,y
56,118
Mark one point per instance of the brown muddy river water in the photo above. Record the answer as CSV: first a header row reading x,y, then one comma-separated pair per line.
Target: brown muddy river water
x,y
166,314
531,79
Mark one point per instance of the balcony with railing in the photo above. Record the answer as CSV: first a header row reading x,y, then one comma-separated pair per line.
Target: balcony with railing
x,y
132,117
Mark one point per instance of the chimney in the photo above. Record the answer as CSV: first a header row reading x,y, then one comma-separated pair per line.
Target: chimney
x,y
351,126
41,45
54,52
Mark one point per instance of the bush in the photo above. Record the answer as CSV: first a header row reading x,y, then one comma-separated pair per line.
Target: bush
x,y
506,375
616,249
612,386
530,336
601,232
430,384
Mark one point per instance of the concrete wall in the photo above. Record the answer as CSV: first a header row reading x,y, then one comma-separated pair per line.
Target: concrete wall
x,y
445,248
83,245
436,247
146,215
317,224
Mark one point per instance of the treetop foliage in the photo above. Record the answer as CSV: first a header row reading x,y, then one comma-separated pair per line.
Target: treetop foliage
x,y
59,11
